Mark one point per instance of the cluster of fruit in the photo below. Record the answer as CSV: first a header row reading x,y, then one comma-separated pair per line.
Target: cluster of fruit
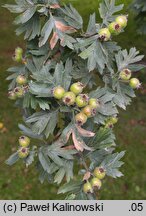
x,y
126,76
87,105
19,91
95,183
24,143
114,28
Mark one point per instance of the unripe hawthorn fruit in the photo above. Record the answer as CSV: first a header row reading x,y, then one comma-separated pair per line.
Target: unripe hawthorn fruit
x,y
80,118
122,21
113,120
87,188
23,152
94,103
99,172
77,88
114,28
19,92
135,83
125,74
1,125
17,58
18,54
18,51
12,95
108,125
58,92
88,111
69,98
104,34
82,100
96,183
21,80
24,141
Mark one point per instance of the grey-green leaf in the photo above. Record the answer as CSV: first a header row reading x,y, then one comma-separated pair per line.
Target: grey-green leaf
x,y
12,159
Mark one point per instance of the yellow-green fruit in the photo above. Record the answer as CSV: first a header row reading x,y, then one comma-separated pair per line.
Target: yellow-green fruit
x,y
18,58
87,188
82,100
94,103
113,120
122,21
23,152
12,95
125,74
19,92
95,182
108,125
80,118
77,88
134,83
114,28
104,34
69,98
24,141
18,51
58,92
18,54
1,125
21,80
99,173
87,110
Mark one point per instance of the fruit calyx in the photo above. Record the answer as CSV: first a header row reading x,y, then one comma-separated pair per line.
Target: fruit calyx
x,y
114,28
24,141
89,111
69,98
104,34
96,183
19,92
23,152
80,119
82,100
99,172
125,74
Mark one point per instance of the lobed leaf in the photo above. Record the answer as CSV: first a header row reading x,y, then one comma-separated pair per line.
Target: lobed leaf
x,y
112,163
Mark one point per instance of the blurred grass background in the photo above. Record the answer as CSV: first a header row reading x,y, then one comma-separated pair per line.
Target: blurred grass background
x,y
18,182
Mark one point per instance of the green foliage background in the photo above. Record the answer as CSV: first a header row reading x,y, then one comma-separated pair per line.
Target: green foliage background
x,y
18,182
